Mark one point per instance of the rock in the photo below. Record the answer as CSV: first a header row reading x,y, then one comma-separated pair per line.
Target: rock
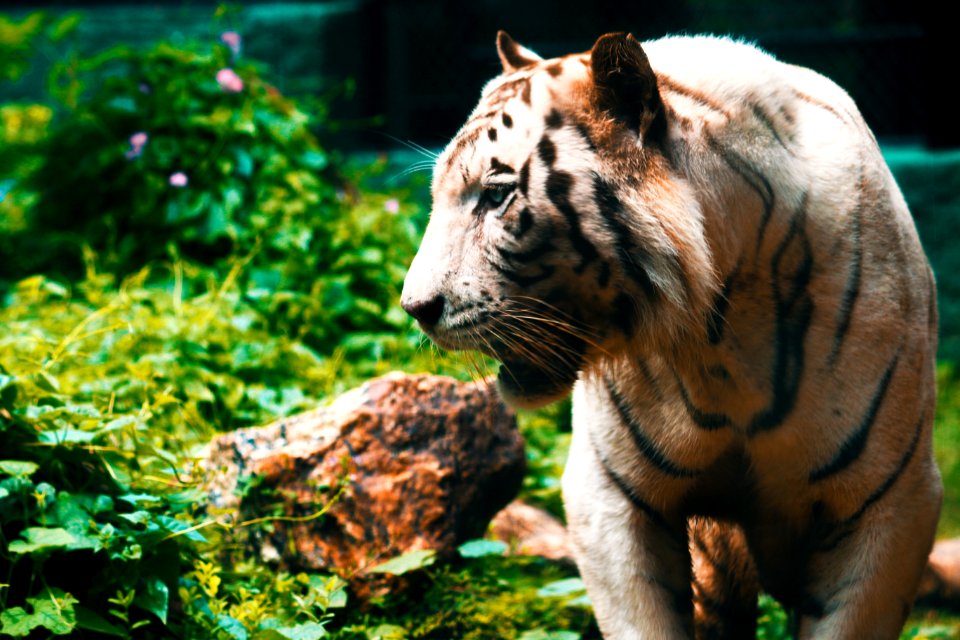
x,y
419,462
940,583
531,531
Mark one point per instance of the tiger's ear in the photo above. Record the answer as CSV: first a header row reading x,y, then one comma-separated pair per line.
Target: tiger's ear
x,y
512,55
625,86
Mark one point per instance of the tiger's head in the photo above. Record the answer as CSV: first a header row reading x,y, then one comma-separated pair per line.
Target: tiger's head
x,y
559,231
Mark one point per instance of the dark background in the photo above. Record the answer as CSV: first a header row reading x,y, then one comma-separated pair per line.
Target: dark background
x,y
414,68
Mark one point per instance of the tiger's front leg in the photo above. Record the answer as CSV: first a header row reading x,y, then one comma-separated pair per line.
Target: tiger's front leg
x,y
634,561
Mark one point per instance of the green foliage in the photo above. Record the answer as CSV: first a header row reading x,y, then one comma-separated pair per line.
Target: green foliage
x,y
19,40
52,610
773,623
238,293
262,607
477,599
409,561
946,441
187,152
481,548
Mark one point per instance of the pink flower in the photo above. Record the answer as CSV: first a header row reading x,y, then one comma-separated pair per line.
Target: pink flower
x,y
229,81
232,40
137,142
178,179
392,205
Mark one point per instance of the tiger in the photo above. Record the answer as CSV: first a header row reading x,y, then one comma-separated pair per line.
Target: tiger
x,y
704,246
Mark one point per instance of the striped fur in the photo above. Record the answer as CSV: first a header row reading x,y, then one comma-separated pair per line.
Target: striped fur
x,y
704,245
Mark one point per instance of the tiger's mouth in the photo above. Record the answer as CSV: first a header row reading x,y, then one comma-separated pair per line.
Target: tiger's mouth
x,y
528,386
539,363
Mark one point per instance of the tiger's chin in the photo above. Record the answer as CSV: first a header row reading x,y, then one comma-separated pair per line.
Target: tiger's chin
x,y
526,386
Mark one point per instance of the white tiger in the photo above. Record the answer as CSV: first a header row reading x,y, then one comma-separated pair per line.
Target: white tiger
x,y
707,247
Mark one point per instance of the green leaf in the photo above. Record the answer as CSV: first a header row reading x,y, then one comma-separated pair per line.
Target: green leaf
x,y
481,548
176,526
560,588
315,160
54,611
118,423
17,622
541,634
137,517
64,26
18,468
232,627
8,390
41,539
93,621
305,631
409,561
387,632
66,435
46,382
136,498
155,597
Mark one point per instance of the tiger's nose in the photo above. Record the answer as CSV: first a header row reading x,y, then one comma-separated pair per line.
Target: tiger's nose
x,y
426,312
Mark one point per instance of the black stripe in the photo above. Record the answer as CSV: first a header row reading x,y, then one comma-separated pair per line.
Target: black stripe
x,y
852,290
856,442
640,439
880,491
523,180
524,222
792,313
654,516
757,181
708,554
585,134
650,380
717,320
525,281
625,314
719,371
628,253
497,167
809,606
558,190
603,278
767,122
554,119
534,253
547,151
703,419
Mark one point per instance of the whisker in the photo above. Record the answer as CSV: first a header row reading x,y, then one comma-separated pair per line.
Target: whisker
x,y
413,146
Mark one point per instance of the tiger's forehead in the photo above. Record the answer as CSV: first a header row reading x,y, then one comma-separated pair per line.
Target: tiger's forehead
x,y
512,107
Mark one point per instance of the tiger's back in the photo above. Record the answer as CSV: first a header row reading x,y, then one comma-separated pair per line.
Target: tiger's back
x,y
707,245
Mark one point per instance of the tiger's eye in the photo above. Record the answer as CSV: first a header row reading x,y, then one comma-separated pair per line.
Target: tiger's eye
x,y
494,196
